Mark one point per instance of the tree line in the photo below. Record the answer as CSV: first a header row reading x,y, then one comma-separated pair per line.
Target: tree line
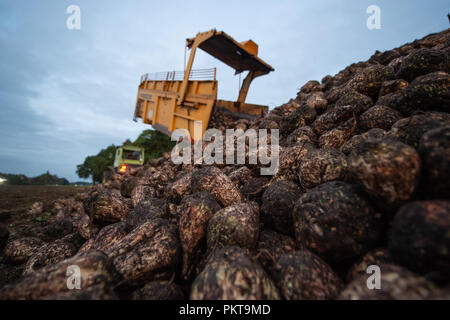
x,y
41,180
153,142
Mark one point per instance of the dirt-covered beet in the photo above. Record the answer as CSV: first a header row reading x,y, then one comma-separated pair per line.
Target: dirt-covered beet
x,y
378,117
337,136
107,237
175,191
236,225
214,181
428,92
301,116
358,101
393,86
336,221
385,57
20,250
149,252
144,211
333,118
391,100
434,149
271,246
254,187
397,283
195,212
4,235
277,204
128,185
317,101
159,290
301,275
299,136
362,180
160,203
388,170
230,274
101,291
95,269
421,62
54,252
142,193
290,160
410,130
369,80
377,256
320,166
56,227
357,140
240,176
107,206
419,238
310,86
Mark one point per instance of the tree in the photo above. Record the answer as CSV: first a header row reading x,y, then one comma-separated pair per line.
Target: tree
x,y
43,179
94,166
48,179
153,142
86,169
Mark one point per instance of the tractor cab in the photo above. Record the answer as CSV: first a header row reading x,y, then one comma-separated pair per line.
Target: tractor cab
x,y
128,156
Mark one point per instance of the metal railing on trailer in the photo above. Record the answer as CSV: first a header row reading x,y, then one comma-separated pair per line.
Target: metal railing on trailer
x,y
197,74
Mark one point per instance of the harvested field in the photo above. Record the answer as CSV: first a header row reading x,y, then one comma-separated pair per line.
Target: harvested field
x,y
363,179
15,203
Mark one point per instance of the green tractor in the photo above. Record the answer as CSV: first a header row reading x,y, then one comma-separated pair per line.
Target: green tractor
x,y
126,157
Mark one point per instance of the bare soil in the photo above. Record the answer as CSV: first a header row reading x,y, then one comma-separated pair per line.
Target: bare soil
x,y
15,202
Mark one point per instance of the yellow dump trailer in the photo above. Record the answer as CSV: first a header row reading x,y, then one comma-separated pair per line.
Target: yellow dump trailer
x,y
186,99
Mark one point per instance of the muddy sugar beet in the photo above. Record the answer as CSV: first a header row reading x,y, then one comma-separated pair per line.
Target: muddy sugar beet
x,y
361,180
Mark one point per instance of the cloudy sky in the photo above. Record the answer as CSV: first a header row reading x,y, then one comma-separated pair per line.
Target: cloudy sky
x,y
65,94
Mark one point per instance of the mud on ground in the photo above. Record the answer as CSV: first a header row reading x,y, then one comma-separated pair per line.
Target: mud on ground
x,y
15,202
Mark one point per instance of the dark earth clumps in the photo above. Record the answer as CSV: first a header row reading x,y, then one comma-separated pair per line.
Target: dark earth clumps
x,y
388,170
159,290
362,182
336,221
434,149
301,275
277,205
230,274
236,225
419,238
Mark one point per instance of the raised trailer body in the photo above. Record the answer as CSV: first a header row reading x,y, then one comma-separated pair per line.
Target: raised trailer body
x,y
187,99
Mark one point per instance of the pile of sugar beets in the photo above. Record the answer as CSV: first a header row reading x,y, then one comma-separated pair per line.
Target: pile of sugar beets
x,y
363,180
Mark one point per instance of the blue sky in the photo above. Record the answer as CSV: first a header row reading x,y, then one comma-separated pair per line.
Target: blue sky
x,y
65,94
